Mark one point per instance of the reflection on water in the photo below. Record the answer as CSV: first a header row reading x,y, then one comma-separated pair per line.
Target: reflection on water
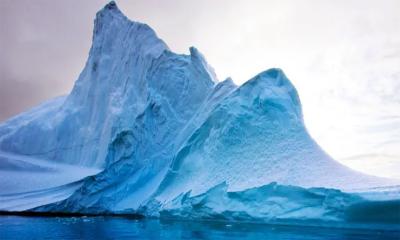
x,y
18,227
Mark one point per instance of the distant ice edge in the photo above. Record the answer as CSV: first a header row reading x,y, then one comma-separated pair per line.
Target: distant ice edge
x,y
151,132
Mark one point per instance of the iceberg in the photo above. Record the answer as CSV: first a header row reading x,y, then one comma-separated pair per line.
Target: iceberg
x,y
149,132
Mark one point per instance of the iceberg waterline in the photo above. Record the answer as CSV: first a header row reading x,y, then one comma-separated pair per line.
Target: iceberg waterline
x,y
163,137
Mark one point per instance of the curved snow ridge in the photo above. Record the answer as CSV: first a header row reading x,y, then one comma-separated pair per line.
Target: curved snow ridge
x,y
281,204
253,136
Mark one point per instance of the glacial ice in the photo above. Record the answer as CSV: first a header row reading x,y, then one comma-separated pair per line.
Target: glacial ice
x,y
148,131
282,204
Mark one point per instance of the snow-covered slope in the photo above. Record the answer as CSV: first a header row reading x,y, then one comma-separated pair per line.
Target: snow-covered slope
x,y
172,141
256,136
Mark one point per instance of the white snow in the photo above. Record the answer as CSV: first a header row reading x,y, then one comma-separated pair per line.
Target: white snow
x,y
28,182
20,173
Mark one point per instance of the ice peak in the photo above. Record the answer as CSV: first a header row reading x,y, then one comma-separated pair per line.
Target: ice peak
x,y
111,5
114,26
197,57
194,52
274,72
106,16
272,85
111,13
271,78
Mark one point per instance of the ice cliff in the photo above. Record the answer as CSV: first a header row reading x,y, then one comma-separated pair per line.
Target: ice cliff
x,y
152,132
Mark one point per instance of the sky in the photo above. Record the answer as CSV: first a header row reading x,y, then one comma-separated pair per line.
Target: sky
x,y
343,56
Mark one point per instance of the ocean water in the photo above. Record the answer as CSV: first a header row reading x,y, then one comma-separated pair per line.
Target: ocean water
x,y
21,227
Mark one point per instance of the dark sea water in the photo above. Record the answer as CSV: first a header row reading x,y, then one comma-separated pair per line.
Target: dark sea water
x,y
19,227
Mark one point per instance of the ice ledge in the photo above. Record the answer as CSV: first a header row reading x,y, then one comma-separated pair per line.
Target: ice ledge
x,y
275,203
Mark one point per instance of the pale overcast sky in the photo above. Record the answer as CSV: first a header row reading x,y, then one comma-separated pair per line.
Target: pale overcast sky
x,y
343,56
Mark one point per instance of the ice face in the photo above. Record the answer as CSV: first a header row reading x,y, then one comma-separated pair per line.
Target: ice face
x,y
127,65
159,125
280,204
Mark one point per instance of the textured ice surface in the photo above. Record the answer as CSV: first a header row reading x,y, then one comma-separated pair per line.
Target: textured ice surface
x,y
282,204
173,141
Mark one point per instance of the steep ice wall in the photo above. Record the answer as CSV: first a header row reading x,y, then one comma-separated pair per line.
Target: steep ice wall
x,y
130,73
131,101
172,141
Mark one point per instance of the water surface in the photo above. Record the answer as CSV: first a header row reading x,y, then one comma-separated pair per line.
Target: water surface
x,y
22,227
